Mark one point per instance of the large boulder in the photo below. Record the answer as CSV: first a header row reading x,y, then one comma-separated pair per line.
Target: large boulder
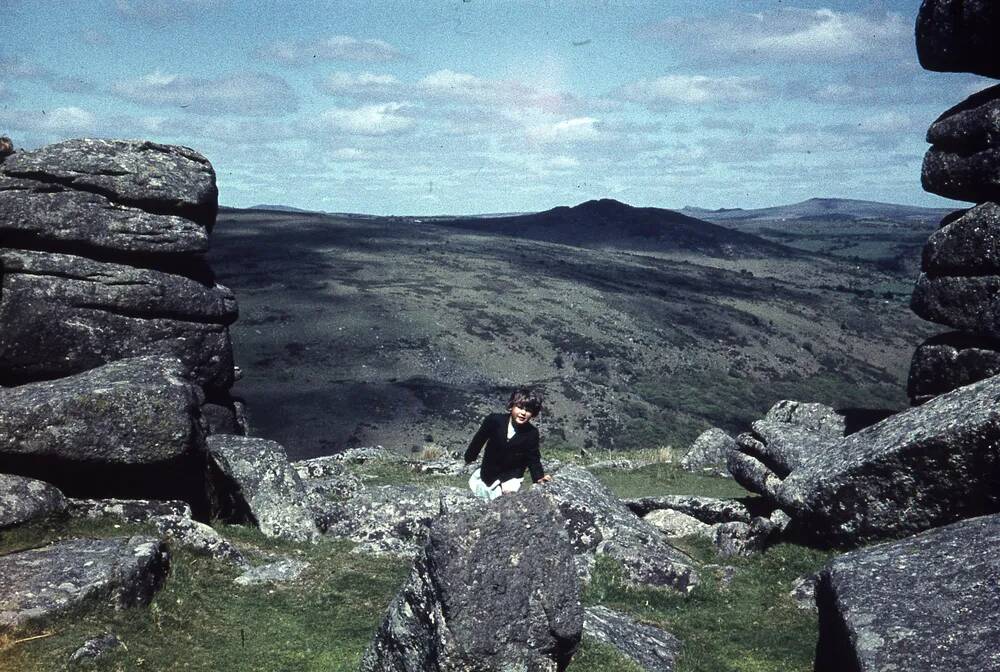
x,y
923,604
599,523
959,36
812,416
38,213
918,469
128,510
390,519
25,499
158,178
964,161
781,446
494,590
42,582
709,451
63,314
965,303
199,538
706,509
134,411
968,243
652,649
949,361
254,482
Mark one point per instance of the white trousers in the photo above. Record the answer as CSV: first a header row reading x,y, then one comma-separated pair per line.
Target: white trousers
x,y
491,492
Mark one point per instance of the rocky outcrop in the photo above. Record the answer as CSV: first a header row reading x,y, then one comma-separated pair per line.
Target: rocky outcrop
x,y
494,590
128,510
951,360
199,538
959,36
41,582
94,649
968,243
255,483
25,499
280,571
709,452
599,523
708,510
926,603
818,418
391,519
652,649
921,468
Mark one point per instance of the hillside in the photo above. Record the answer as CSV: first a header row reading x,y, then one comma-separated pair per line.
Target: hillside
x,y
368,330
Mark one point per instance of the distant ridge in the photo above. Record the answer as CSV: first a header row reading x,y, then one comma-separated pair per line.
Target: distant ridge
x,y
277,208
825,208
608,223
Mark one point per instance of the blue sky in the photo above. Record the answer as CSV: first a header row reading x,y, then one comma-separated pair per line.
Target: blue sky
x,y
468,106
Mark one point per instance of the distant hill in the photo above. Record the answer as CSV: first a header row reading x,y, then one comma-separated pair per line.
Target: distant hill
x,y
277,208
830,209
607,223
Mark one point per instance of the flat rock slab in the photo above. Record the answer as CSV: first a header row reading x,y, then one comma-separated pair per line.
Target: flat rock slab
x,y
390,519
280,571
966,303
812,416
128,510
959,36
706,509
964,161
949,361
257,484
494,590
159,178
649,647
39,583
134,411
918,469
599,523
199,538
25,499
923,604
33,212
968,244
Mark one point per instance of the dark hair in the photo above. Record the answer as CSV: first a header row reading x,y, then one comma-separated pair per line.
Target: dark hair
x,y
527,398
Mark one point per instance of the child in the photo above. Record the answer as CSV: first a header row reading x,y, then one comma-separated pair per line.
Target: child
x,y
511,443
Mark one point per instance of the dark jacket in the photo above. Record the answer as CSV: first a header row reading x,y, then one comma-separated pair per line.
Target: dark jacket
x,y
505,459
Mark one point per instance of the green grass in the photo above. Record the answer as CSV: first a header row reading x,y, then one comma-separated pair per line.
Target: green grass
x,y
750,626
202,621
667,479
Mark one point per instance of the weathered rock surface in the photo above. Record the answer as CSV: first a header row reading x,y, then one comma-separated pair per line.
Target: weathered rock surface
x,y
818,418
782,446
41,582
967,245
280,571
924,467
966,303
676,524
493,590
158,178
598,522
222,418
390,519
964,161
803,592
63,314
949,361
37,213
651,648
930,602
134,411
959,36
709,451
257,484
706,509
128,510
199,538
25,499
95,649
6,147
742,539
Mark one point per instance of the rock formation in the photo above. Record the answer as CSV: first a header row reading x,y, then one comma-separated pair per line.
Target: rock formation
x,y
960,281
493,590
930,602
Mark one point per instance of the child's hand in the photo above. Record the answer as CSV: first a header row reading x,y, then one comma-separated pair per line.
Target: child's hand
x,y
544,479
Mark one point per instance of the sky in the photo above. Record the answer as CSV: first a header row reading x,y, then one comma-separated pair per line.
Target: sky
x,y
471,106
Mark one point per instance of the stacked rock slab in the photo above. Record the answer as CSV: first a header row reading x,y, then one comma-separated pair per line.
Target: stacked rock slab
x,y
113,333
960,283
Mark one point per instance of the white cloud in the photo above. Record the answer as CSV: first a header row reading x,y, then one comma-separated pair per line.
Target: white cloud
x,y
241,93
158,12
564,130
692,90
383,119
60,122
463,87
888,121
335,48
349,154
360,85
16,67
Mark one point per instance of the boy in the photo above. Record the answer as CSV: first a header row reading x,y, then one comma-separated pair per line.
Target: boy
x,y
511,443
